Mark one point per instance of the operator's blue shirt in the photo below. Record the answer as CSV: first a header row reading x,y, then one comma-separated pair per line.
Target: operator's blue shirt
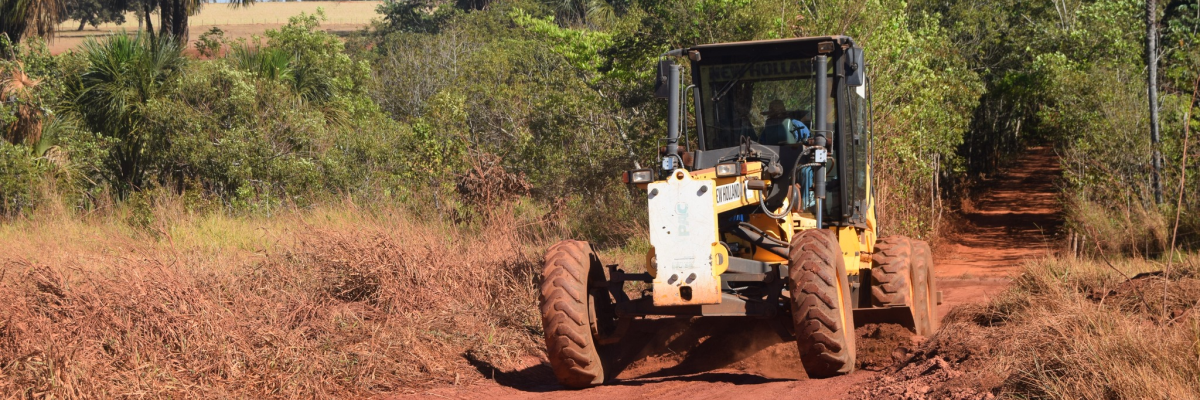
x,y
800,131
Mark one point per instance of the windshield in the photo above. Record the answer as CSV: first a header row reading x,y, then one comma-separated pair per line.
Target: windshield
x,y
770,102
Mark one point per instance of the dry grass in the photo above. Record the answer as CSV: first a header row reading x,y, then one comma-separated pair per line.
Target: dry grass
x,y
328,303
1069,329
1127,229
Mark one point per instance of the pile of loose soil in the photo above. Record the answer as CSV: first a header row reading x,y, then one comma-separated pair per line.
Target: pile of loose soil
x,y
1089,333
1153,295
882,345
944,366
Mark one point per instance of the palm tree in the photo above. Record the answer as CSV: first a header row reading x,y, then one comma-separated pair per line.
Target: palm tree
x,y
582,12
174,14
268,63
123,74
19,18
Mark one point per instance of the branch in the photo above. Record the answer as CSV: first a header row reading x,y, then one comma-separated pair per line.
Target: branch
x,y
1187,129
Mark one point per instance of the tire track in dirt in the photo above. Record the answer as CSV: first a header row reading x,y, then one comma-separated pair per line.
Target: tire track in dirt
x,y
1015,219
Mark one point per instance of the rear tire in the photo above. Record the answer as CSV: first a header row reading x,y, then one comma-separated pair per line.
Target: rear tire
x,y
821,308
890,272
569,314
924,289
900,271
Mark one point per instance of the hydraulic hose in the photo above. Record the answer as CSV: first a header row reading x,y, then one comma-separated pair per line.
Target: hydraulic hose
x,y
759,239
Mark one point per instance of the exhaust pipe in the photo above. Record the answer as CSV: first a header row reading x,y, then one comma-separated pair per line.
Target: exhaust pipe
x,y
672,120
820,132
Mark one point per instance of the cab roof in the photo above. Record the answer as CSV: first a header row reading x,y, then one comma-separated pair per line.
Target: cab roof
x,y
806,47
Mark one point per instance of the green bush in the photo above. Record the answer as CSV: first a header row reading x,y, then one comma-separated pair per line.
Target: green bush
x,y
124,77
20,175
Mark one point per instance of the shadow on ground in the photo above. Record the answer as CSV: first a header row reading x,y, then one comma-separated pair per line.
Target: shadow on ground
x,y
661,350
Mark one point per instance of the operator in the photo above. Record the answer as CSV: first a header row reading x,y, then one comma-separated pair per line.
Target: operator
x,y
779,129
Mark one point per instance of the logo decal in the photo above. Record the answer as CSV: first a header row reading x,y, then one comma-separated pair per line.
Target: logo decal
x,y
729,193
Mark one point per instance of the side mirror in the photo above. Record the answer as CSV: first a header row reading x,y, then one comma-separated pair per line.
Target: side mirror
x,y
662,77
854,66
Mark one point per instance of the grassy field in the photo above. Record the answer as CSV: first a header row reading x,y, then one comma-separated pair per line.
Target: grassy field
x,y
236,22
336,302
351,301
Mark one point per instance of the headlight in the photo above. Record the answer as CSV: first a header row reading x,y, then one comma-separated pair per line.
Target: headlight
x,y
729,169
638,176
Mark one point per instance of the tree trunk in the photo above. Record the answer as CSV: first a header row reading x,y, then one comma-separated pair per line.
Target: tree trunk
x,y
180,22
165,13
173,19
149,24
82,23
1152,94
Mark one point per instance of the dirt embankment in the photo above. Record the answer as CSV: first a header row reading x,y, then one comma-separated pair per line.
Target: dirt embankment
x,y
1014,220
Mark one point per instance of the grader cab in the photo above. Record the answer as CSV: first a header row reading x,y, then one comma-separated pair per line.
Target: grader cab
x,y
764,210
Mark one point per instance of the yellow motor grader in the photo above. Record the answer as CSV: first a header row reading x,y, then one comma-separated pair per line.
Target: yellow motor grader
x,y
767,212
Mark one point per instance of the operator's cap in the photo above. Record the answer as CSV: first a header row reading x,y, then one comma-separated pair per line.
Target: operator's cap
x,y
776,108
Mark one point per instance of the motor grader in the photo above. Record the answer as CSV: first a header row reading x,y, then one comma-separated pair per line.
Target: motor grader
x,y
765,210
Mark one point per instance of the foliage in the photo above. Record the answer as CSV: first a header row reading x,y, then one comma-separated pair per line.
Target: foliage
x,y
552,99
321,71
210,43
581,47
125,75
96,12
415,16
267,63
19,178
20,18
1072,74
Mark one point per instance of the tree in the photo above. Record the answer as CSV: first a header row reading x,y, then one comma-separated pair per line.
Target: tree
x,y
29,17
582,12
123,75
1152,92
416,16
174,14
96,12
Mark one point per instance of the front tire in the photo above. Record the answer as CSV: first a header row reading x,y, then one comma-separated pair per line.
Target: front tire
x,y
569,314
821,308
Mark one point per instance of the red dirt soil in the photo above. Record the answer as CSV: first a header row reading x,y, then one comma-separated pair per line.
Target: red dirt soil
x,y
1014,220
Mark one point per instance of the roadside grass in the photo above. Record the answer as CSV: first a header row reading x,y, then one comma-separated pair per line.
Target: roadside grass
x,y
331,302
1069,329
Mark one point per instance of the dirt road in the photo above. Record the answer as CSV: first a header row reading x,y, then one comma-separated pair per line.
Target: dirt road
x,y
1015,219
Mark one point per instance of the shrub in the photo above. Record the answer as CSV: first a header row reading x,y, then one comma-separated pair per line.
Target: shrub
x,y
210,43
124,76
19,178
